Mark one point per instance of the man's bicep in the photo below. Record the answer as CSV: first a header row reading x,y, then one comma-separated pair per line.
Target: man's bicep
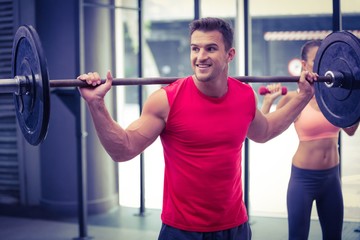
x,y
258,128
151,123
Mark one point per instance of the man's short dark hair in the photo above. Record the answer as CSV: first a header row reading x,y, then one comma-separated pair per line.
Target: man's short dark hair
x,y
217,24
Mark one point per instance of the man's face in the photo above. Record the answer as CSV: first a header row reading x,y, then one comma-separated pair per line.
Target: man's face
x,y
208,57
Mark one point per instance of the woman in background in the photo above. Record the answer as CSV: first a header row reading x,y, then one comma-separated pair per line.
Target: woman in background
x,y
315,164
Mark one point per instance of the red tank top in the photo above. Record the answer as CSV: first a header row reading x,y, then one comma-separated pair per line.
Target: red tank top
x,y
202,143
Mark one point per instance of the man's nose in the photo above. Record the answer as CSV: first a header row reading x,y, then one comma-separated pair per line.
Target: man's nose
x,y
202,54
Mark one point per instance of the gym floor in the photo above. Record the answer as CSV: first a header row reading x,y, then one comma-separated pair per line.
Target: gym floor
x,y
125,223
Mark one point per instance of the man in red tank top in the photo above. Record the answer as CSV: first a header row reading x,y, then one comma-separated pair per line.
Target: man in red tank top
x,y
202,121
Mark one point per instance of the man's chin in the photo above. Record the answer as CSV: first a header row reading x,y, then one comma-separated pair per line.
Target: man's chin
x,y
202,77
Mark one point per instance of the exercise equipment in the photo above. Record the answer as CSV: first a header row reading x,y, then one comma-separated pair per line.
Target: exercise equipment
x,y
263,90
339,100
32,92
337,89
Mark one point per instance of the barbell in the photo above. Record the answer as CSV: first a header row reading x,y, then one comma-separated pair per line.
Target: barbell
x,y
337,90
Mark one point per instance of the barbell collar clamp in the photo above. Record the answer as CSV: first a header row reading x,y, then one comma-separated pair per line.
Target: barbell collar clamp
x,y
10,85
337,79
19,85
24,85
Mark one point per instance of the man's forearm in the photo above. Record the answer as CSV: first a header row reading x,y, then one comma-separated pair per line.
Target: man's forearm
x,y
281,119
113,138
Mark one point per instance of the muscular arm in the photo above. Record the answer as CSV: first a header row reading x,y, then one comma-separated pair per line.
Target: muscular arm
x,y
124,144
265,127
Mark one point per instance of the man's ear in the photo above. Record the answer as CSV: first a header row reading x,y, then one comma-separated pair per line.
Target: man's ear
x,y
231,54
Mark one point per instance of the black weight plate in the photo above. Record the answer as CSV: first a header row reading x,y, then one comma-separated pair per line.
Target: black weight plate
x,y
339,52
32,108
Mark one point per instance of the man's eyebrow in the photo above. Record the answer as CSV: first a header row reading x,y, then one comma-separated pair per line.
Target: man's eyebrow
x,y
212,45
206,45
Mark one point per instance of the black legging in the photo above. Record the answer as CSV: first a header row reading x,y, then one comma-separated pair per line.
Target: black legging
x,y
324,187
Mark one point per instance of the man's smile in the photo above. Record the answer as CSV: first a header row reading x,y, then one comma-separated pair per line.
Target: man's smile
x,y
202,65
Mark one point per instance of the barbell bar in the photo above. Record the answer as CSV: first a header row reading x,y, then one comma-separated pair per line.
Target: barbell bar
x,y
21,84
337,90
167,80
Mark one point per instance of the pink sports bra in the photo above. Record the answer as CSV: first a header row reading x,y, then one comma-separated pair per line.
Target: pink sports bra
x,y
312,125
